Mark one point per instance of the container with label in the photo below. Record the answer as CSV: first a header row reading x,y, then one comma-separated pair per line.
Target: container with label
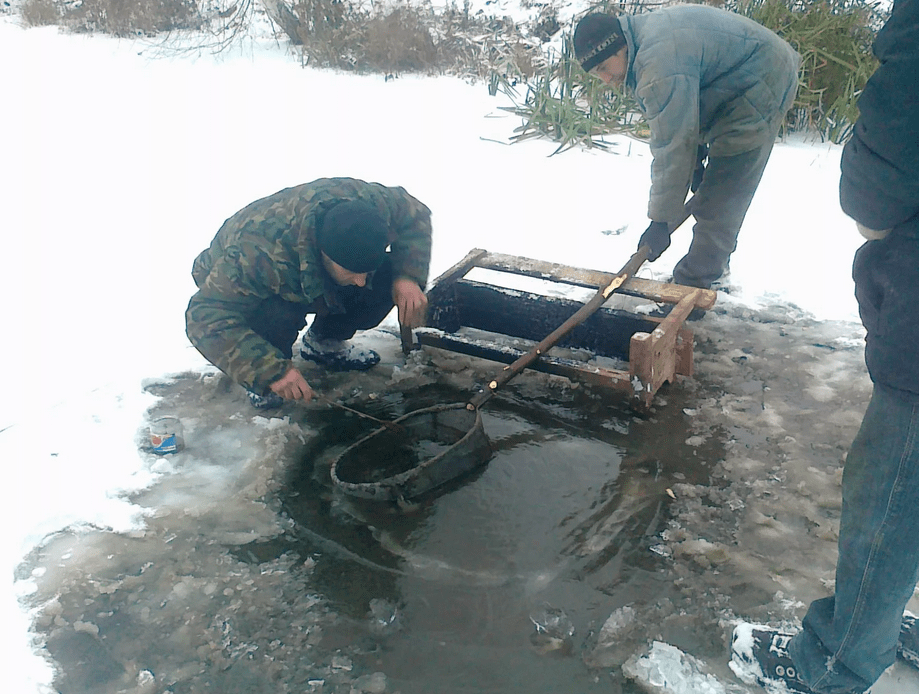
x,y
167,435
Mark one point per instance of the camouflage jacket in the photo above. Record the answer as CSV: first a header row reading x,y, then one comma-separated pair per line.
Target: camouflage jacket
x,y
269,249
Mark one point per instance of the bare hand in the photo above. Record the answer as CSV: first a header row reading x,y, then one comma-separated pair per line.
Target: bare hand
x,y
411,302
292,386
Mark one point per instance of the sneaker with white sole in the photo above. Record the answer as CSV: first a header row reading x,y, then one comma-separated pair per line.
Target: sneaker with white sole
x,y
337,355
269,401
759,654
908,643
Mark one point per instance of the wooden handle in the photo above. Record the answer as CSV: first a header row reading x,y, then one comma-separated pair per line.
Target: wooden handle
x,y
408,339
609,287
390,425
582,314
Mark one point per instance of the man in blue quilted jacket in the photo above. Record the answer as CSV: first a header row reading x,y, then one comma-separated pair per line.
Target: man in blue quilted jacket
x,y
709,83
849,638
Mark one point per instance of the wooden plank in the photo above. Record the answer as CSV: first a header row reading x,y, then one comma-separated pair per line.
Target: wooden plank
x,y
684,352
529,267
664,292
652,290
533,316
442,309
504,354
472,259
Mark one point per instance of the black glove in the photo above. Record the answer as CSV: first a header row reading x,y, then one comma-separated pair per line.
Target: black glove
x,y
657,237
701,156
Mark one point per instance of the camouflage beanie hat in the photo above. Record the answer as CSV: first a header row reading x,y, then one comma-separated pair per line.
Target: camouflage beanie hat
x,y
596,38
354,235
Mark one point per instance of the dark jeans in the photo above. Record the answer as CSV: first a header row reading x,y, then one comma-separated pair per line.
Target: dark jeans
x,y
280,321
719,207
849,639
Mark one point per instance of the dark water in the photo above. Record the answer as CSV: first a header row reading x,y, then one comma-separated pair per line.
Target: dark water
x,y
411,443
497,582
454,594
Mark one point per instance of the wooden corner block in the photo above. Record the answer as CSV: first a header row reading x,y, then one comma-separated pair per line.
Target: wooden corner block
x,y
641,361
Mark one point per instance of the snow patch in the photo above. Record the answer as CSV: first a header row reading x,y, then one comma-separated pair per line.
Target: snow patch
x,y
665,669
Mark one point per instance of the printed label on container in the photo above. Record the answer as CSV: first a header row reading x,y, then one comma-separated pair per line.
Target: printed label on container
x,y
164,443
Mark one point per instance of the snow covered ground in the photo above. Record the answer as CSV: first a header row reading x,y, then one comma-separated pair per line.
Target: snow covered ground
x,y
119,164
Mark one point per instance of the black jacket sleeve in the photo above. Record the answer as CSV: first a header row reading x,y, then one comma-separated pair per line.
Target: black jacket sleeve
x,y
880,164
880,189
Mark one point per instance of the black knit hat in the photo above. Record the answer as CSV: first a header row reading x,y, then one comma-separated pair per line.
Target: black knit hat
x,y
596,38
354,235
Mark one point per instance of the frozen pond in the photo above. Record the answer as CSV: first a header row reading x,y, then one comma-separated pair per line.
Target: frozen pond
x,y
590,534
554,531
501,581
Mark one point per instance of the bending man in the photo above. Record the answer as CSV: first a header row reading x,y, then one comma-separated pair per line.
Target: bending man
x,y
710,83
318,248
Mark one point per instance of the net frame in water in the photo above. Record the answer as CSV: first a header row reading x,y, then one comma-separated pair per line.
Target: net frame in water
x,y
459,425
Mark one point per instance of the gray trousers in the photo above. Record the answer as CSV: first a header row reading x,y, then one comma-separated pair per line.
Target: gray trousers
x,y
719,207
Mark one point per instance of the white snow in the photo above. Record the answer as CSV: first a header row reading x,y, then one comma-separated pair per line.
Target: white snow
x,y
667,670
119,162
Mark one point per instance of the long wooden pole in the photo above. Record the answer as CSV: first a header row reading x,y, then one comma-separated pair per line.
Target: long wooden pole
x,y
582,314
556,335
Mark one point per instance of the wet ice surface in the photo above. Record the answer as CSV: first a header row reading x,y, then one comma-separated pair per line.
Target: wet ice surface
x,y
597,551
500,581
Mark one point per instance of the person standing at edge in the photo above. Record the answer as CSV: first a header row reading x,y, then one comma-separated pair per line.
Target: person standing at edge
x,y
847,640
711,84
318,248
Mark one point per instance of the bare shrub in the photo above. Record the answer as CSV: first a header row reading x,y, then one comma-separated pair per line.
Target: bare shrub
x,y
342,35
489,47
324,30
37,13
834,38
115,17
398,42
407,38
356,35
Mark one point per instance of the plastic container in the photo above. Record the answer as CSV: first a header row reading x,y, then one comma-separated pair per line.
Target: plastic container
x,y
167,435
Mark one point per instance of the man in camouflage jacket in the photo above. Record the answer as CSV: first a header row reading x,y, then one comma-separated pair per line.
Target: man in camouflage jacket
x,y
318,248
